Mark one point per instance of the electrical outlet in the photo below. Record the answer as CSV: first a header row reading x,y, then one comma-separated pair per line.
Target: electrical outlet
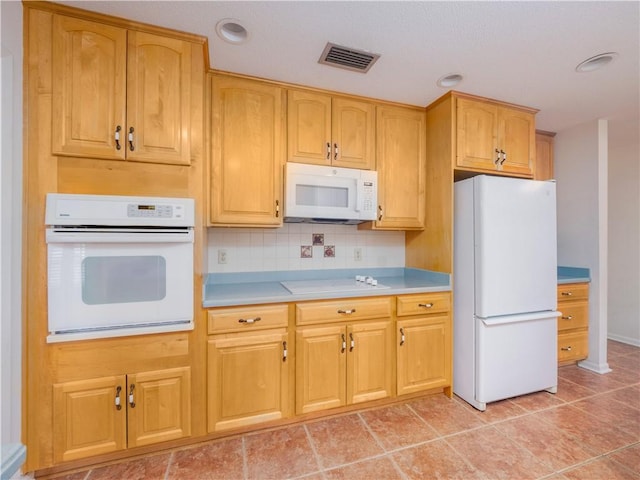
x,y
357,254
222,256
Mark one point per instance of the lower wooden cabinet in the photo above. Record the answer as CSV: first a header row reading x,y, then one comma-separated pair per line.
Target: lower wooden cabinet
x,y
573,323
347,361
107,414
248,366
423,342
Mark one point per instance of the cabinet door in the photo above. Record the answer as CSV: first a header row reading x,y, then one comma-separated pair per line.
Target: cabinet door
x,y
353,134
248,377
400,158
544,156
476,128
369,361
161,407
516,137
423,354
309,128
158,99
320,368
86,419
89,88
247,152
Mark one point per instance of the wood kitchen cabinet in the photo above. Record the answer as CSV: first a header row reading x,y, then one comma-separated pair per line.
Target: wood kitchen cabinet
x,y
330,130
494,137
247,134
344,353
544,155
401,155
248,366
107,414
573,323
424,342
120,94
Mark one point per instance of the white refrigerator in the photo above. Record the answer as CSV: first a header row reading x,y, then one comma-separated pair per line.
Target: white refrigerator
x,y
504,289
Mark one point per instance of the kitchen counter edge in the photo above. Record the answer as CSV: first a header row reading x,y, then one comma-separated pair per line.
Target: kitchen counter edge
x,y
573,275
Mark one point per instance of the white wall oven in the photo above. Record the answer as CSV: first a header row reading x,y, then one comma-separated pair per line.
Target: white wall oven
x,y
118,265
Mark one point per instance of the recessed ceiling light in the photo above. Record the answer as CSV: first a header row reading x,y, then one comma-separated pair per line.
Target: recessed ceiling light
x,y
594,63
231,30
450,80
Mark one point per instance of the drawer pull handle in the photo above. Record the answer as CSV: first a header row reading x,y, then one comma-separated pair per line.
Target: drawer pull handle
x,y
352,343
344,344
249,320
401,336
504,157
497,160
328,150
132,403
284,351
425,305
337,152
568,317
566,349
116,136
131,147
347,312
567,294
118,405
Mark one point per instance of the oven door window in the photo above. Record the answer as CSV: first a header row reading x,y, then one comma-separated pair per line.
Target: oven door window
x,y
124,279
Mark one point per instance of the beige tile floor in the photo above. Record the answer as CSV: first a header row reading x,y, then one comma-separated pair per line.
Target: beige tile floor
x,y
590,429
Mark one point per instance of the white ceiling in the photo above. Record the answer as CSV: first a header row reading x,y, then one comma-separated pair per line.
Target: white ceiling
x,y
519,52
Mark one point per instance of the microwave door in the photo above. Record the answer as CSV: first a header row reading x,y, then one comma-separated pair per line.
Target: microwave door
x,y
318,197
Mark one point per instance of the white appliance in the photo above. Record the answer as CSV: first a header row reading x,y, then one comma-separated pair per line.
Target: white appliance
x,y
322,194
118,265
504,277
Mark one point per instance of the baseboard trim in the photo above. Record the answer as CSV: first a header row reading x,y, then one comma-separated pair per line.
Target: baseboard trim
x,y
13,456
600,368
622,339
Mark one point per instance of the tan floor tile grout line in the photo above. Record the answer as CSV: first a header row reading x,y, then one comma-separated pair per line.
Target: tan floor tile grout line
x,y
169,463
245,461
314,449
379,442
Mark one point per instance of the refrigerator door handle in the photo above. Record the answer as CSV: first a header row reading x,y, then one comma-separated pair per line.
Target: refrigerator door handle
x,y
522,317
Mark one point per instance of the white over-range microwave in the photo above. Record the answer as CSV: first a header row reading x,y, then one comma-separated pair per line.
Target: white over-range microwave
x,y
325,194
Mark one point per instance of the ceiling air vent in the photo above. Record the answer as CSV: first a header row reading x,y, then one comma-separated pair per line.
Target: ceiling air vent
x,y
347,58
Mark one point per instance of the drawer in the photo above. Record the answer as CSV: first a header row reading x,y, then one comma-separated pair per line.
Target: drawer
x,y
425,303
574,315
245,319
573,346
573,291
342,310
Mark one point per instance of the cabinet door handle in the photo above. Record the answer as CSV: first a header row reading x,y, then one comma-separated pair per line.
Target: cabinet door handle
x,y
347,312
335,151
504,157
132,403
497,160
284,351
117,399
352,343
401,336
344,344
116,136
566,294
568,317
379,213
566,349
249,320
328,150
277,208
131,139
425,305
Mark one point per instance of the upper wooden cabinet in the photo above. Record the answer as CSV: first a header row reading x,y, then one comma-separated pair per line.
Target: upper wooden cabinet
x,y
247,144
400,154
494,138
544,155
120,94
327,130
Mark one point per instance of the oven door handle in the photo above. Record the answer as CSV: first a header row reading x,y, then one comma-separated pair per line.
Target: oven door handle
x,y
57,236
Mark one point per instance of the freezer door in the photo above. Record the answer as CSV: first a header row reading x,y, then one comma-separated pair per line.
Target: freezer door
x,y
515,355
515,246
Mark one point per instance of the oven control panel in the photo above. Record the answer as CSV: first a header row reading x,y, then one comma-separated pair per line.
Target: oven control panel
x,y
151,211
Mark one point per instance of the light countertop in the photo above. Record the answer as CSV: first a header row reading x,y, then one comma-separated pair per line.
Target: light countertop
x,y
573,275
229,289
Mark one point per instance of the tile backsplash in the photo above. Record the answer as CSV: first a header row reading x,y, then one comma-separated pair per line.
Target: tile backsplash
x,y
296,246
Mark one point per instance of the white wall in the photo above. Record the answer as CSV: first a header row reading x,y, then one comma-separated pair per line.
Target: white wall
x,y
624,239
581,172
259,249
10,237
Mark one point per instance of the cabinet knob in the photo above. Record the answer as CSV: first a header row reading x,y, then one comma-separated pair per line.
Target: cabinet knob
x,y
568,317
566,349
566,294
